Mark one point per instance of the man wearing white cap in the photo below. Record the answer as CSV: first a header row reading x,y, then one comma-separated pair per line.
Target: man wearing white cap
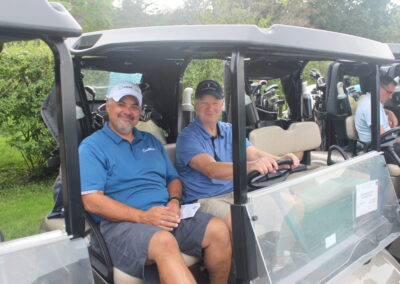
x,y
131,188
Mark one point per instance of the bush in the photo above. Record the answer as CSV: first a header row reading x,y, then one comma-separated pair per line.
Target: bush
x,y
26,77
200,69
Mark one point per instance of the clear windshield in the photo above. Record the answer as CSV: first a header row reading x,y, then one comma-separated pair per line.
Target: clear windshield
x,y
312,228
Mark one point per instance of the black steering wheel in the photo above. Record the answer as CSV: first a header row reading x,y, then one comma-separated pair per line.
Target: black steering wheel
x,y
387,140
255,180
389,137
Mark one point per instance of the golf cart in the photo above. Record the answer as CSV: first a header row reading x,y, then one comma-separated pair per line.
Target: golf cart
x,y
284,241
322,226
57,256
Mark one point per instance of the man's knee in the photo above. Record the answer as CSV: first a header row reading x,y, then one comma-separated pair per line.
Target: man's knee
x,y
163,239
162,243
217,231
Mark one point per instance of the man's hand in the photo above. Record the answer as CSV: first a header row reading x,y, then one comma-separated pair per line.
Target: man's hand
x,y
295,160
175,206
393,122
262,165
161,216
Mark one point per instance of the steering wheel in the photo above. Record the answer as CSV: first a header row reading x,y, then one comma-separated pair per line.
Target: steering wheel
x,y
387,140
255,180
389,137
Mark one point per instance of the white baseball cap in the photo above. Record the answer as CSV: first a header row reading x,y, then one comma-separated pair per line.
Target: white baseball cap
x,y
123,89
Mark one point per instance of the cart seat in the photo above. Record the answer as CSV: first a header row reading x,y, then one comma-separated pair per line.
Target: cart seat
x,y
394,170
299,137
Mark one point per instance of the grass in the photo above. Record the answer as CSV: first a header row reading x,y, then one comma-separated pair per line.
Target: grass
x,y
23,203
23,207
12,167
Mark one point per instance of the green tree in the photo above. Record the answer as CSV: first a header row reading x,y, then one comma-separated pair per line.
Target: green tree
x,y
200,69
92,15
26,77
367,18
132,13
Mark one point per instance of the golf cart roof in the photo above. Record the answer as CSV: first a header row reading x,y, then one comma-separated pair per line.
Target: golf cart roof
x,y
395,48
21,19
208,41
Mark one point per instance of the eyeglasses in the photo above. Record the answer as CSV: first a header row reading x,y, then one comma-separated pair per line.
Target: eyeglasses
x,y
388,92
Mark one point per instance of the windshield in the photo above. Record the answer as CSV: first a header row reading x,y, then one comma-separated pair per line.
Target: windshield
x,y
101,82
316,226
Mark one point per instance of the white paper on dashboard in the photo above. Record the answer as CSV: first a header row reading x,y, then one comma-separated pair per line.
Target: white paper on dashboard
x,y
366,197
188,210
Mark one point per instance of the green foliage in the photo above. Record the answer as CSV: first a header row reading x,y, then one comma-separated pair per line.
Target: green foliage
x,y
321,66
23,207
199,70
26,77
367,18
12,166
132,13
92,15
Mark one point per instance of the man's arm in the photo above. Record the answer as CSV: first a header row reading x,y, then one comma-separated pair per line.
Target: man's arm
x,y
209,167
113,210
261,162
175,190
392,119
254,154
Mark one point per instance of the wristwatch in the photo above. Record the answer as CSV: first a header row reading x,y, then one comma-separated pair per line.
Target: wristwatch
x,y
176,198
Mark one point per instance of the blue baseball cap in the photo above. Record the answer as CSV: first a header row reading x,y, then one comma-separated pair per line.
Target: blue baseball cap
x,y
209,87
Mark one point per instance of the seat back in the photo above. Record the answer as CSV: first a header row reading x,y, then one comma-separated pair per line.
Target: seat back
x,y
351,131
299,137
171,150
151,127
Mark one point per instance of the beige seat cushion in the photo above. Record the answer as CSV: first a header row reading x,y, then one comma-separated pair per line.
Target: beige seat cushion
x,y
321,157
121,277
151,127
300,136
171,150
394,170
351,131
52,224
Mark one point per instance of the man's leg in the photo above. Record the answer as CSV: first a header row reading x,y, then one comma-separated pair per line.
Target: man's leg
x,y
219,206
217,251
133,246
164,251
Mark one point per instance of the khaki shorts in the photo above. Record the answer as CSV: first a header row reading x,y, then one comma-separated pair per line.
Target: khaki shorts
x,y
218,206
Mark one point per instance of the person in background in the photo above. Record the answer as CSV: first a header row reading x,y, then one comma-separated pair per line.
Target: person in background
x,y
387,118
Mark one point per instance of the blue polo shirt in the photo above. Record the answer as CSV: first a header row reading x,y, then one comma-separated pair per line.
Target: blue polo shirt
x,y
135,174
362,118
195,140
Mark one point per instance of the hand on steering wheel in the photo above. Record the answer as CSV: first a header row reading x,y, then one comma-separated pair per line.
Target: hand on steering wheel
x,y
389,137
256,180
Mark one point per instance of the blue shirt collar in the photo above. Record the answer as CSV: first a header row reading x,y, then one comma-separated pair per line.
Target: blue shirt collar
x,y
116,138
204,132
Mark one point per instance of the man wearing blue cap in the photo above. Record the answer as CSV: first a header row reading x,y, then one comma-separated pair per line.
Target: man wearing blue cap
x,y
204,155
132,190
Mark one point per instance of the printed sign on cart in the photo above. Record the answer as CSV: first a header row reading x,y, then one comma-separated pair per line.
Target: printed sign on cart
x,y
366,197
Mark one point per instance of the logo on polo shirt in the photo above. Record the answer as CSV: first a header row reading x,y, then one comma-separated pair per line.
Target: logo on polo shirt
x,y
148,149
